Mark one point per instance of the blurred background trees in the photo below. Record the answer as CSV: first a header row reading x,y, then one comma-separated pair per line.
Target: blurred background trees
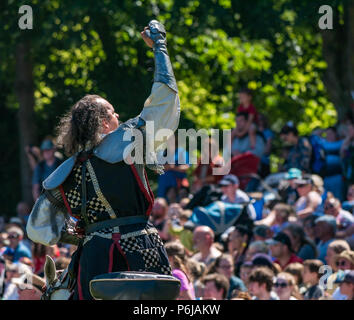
x,y
299,72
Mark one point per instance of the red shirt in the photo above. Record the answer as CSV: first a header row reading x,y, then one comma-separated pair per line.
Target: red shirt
x,y
293,258
251,109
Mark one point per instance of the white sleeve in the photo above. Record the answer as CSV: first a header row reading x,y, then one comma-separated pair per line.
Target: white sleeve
x,y
251,211
45,222
161,111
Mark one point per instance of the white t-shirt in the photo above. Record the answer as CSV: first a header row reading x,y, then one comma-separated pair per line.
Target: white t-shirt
x,y
11,292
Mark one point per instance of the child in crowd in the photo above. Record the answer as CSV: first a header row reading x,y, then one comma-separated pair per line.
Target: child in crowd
x,y
246,106
311,277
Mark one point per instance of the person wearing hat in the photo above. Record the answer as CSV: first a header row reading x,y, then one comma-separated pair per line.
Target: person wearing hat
x,y
232,194
282,251
309,199
347,285
325,231
16,249
287,187
262,232
45,167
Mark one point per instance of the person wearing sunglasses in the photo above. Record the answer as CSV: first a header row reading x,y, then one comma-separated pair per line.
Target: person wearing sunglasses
x,y
285,286
344,218
16,249
345,260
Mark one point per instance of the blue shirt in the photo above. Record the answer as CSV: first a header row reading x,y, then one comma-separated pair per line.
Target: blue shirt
x,y
307,252
235,283
42,171
322,250
20,252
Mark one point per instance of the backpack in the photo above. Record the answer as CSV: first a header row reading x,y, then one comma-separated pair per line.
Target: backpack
x,y
220,216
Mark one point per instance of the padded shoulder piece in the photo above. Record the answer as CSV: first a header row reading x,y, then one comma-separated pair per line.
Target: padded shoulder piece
x,y
60,174
118,144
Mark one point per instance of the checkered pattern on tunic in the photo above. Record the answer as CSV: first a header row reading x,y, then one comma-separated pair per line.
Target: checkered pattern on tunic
x,y
129,244
151,257
95,209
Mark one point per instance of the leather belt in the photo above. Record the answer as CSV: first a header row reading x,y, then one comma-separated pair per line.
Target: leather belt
x,y
114,223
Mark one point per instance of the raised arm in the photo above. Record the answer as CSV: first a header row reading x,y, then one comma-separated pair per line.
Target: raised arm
x,y
162,108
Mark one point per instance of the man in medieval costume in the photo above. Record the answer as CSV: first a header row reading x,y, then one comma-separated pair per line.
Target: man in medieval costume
x,y
107,194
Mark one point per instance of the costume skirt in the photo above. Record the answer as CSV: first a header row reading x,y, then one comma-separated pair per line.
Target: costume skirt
x,y
115,250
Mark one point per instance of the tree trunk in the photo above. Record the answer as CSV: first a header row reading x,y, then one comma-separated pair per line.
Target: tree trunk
x,y
24,89
338,45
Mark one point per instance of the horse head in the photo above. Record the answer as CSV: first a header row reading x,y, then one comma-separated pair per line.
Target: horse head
x,y
56,288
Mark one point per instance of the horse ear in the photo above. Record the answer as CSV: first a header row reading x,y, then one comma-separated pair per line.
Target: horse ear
x,y
50,270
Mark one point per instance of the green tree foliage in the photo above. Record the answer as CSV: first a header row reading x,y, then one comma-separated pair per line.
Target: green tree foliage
x,y
216,46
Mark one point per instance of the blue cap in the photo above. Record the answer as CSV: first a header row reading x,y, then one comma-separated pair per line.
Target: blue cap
x,y
347,276
329,220
47,145
228,180
293,173
261,230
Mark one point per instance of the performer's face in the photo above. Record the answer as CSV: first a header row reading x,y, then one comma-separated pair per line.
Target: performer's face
x,y
113,123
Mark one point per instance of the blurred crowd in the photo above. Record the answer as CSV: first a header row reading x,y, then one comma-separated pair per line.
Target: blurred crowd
x,y
251,234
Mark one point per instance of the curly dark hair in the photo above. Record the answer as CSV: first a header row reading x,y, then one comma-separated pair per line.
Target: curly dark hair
x,y
80,126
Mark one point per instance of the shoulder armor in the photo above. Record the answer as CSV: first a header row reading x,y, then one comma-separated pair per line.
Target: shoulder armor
x,y
60,174
113,147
